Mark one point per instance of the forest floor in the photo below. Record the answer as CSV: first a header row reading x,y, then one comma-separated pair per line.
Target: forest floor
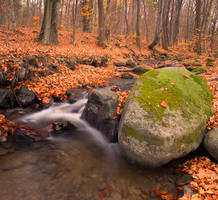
x,y
16,47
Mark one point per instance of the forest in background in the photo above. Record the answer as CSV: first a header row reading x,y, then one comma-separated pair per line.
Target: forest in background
x,y
190,22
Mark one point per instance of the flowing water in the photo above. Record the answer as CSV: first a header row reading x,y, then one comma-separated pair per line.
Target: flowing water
x,y
76,165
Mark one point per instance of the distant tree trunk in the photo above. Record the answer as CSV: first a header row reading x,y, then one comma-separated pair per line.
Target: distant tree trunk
x,y
214,31
126,17
101,33
165,22
187,21
74,15
198,26
13,21
158,26
138,35
145,19
49,33
178,6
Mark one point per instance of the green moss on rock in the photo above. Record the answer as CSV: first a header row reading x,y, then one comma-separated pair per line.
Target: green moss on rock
x,y
210,64
127,75
199,70
191,95
192,64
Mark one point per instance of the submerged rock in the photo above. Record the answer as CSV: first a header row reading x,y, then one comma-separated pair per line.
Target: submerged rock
x,y
211,143
100,111
165,116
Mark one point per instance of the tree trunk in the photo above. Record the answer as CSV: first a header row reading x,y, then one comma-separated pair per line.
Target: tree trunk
x,y
48,33
101,33
198,26
165,22
158,26
138,35
178,4
13,21
74,15
126,18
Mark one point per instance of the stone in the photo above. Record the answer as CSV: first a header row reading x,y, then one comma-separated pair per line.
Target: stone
x,y
100,112
26,96
6,98
140,70
211,143
165,116
130,63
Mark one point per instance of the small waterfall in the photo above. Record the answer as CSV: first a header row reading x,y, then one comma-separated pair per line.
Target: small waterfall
x,y
70,113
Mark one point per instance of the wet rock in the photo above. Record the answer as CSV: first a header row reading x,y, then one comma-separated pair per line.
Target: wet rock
x,y
211,143
120,64
32,61
94,61
26,96
100,111
127,75
164,121
140,70
71,64
6,98
130,63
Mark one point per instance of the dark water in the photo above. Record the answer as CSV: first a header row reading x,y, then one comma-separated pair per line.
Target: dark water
x,y
77,165
74,167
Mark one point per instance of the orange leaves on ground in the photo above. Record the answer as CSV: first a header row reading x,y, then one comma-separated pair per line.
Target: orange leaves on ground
x,y
122,96
186,76
205,178
6,128
164,195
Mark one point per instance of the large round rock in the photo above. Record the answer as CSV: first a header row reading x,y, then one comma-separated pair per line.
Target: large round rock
x,y
164,117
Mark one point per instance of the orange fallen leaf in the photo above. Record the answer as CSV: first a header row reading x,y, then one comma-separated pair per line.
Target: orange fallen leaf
x,y
186,76
160,192
163,104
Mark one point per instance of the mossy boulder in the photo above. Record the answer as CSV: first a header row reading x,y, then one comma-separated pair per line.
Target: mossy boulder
x,y
165,116
210,64
126,75
199,70
197,64
140,70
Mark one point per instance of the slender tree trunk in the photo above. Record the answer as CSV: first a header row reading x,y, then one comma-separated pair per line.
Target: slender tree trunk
x,y
145,20
177,16
49,33
165,22
198,26
187,21
138,34
101,33
158,26
126,17
74,14
13,21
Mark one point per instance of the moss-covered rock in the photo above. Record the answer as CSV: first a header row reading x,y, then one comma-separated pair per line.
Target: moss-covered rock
x,y
192,64
140,70
210,64
199,70
165,116
127,75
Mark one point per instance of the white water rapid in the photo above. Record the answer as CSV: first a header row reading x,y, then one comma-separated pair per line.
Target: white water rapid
x,y
70,113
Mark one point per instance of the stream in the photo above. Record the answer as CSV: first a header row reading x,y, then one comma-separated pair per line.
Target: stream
x,y
77,164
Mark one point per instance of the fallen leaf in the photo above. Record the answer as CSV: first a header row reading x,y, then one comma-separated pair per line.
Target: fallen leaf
x,y
163,104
